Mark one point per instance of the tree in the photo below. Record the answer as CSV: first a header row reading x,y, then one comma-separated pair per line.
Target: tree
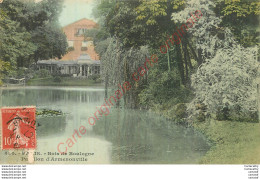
x,y
135,24
30,31
242,18
15,42
226,79
4,67
51,42
116,72
206,31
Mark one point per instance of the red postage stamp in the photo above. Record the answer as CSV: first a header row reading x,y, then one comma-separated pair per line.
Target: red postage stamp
x,y
18,128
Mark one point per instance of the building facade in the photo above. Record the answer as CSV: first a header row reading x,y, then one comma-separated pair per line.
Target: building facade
x,y
81,59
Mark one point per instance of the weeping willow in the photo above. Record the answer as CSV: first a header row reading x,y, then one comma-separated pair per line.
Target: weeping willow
x,y
117,65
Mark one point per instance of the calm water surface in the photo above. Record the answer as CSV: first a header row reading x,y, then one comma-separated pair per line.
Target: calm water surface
x,y
124,136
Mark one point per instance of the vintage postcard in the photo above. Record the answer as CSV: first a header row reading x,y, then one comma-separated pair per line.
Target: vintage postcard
x,y
129,82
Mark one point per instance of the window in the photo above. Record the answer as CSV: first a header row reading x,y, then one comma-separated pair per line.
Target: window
x,y
90,43
71,43
96,70
85,44
80,32
84,48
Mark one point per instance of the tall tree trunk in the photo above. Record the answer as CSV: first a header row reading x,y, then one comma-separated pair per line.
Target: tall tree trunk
x,y
186,51
106,86
180,64
200,57
168,56
197,58
186,63
117,77
125,79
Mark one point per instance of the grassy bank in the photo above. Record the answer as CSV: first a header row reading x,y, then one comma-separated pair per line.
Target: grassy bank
x,y
63,81
234,142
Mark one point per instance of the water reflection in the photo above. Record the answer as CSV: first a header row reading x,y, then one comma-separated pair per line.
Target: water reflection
x,y
141,137
124,136
45,126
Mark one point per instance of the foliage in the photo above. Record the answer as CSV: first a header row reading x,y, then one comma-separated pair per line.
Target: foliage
x,y
43,73
240,8
119,64
4,67
236,115
102,46
48,112
91,33
51,42
30,31
227,71
205,31
95,77
242,18
57,79
181,110
139,23
159,79
129,31
178,113
226,78
65,81
14,42
149,11
70,49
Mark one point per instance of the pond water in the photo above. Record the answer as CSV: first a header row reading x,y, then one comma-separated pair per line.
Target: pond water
x,y
122,137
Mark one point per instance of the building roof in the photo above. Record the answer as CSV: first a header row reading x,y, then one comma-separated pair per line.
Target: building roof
x,y
84,21
85,59
70,31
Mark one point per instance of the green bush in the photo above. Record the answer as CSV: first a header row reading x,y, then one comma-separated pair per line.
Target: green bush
x,y
57,79
223,114
201,117
171,90
201,108
70,49
178,113
42,74
244,116
94,77
236,114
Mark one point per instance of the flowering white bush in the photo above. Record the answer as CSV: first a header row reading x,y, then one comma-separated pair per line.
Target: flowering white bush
x,y
227,76
227,80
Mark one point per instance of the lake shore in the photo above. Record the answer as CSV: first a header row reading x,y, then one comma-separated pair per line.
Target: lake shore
x,y
231,142
234,142
143,138
99,88
63,81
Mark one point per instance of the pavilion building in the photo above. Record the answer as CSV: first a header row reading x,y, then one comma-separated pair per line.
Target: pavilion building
x,y
81,59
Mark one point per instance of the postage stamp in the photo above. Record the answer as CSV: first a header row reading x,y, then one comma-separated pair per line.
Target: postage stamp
x,y
18,128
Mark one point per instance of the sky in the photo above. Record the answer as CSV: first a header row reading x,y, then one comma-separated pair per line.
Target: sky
x,y
75,10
